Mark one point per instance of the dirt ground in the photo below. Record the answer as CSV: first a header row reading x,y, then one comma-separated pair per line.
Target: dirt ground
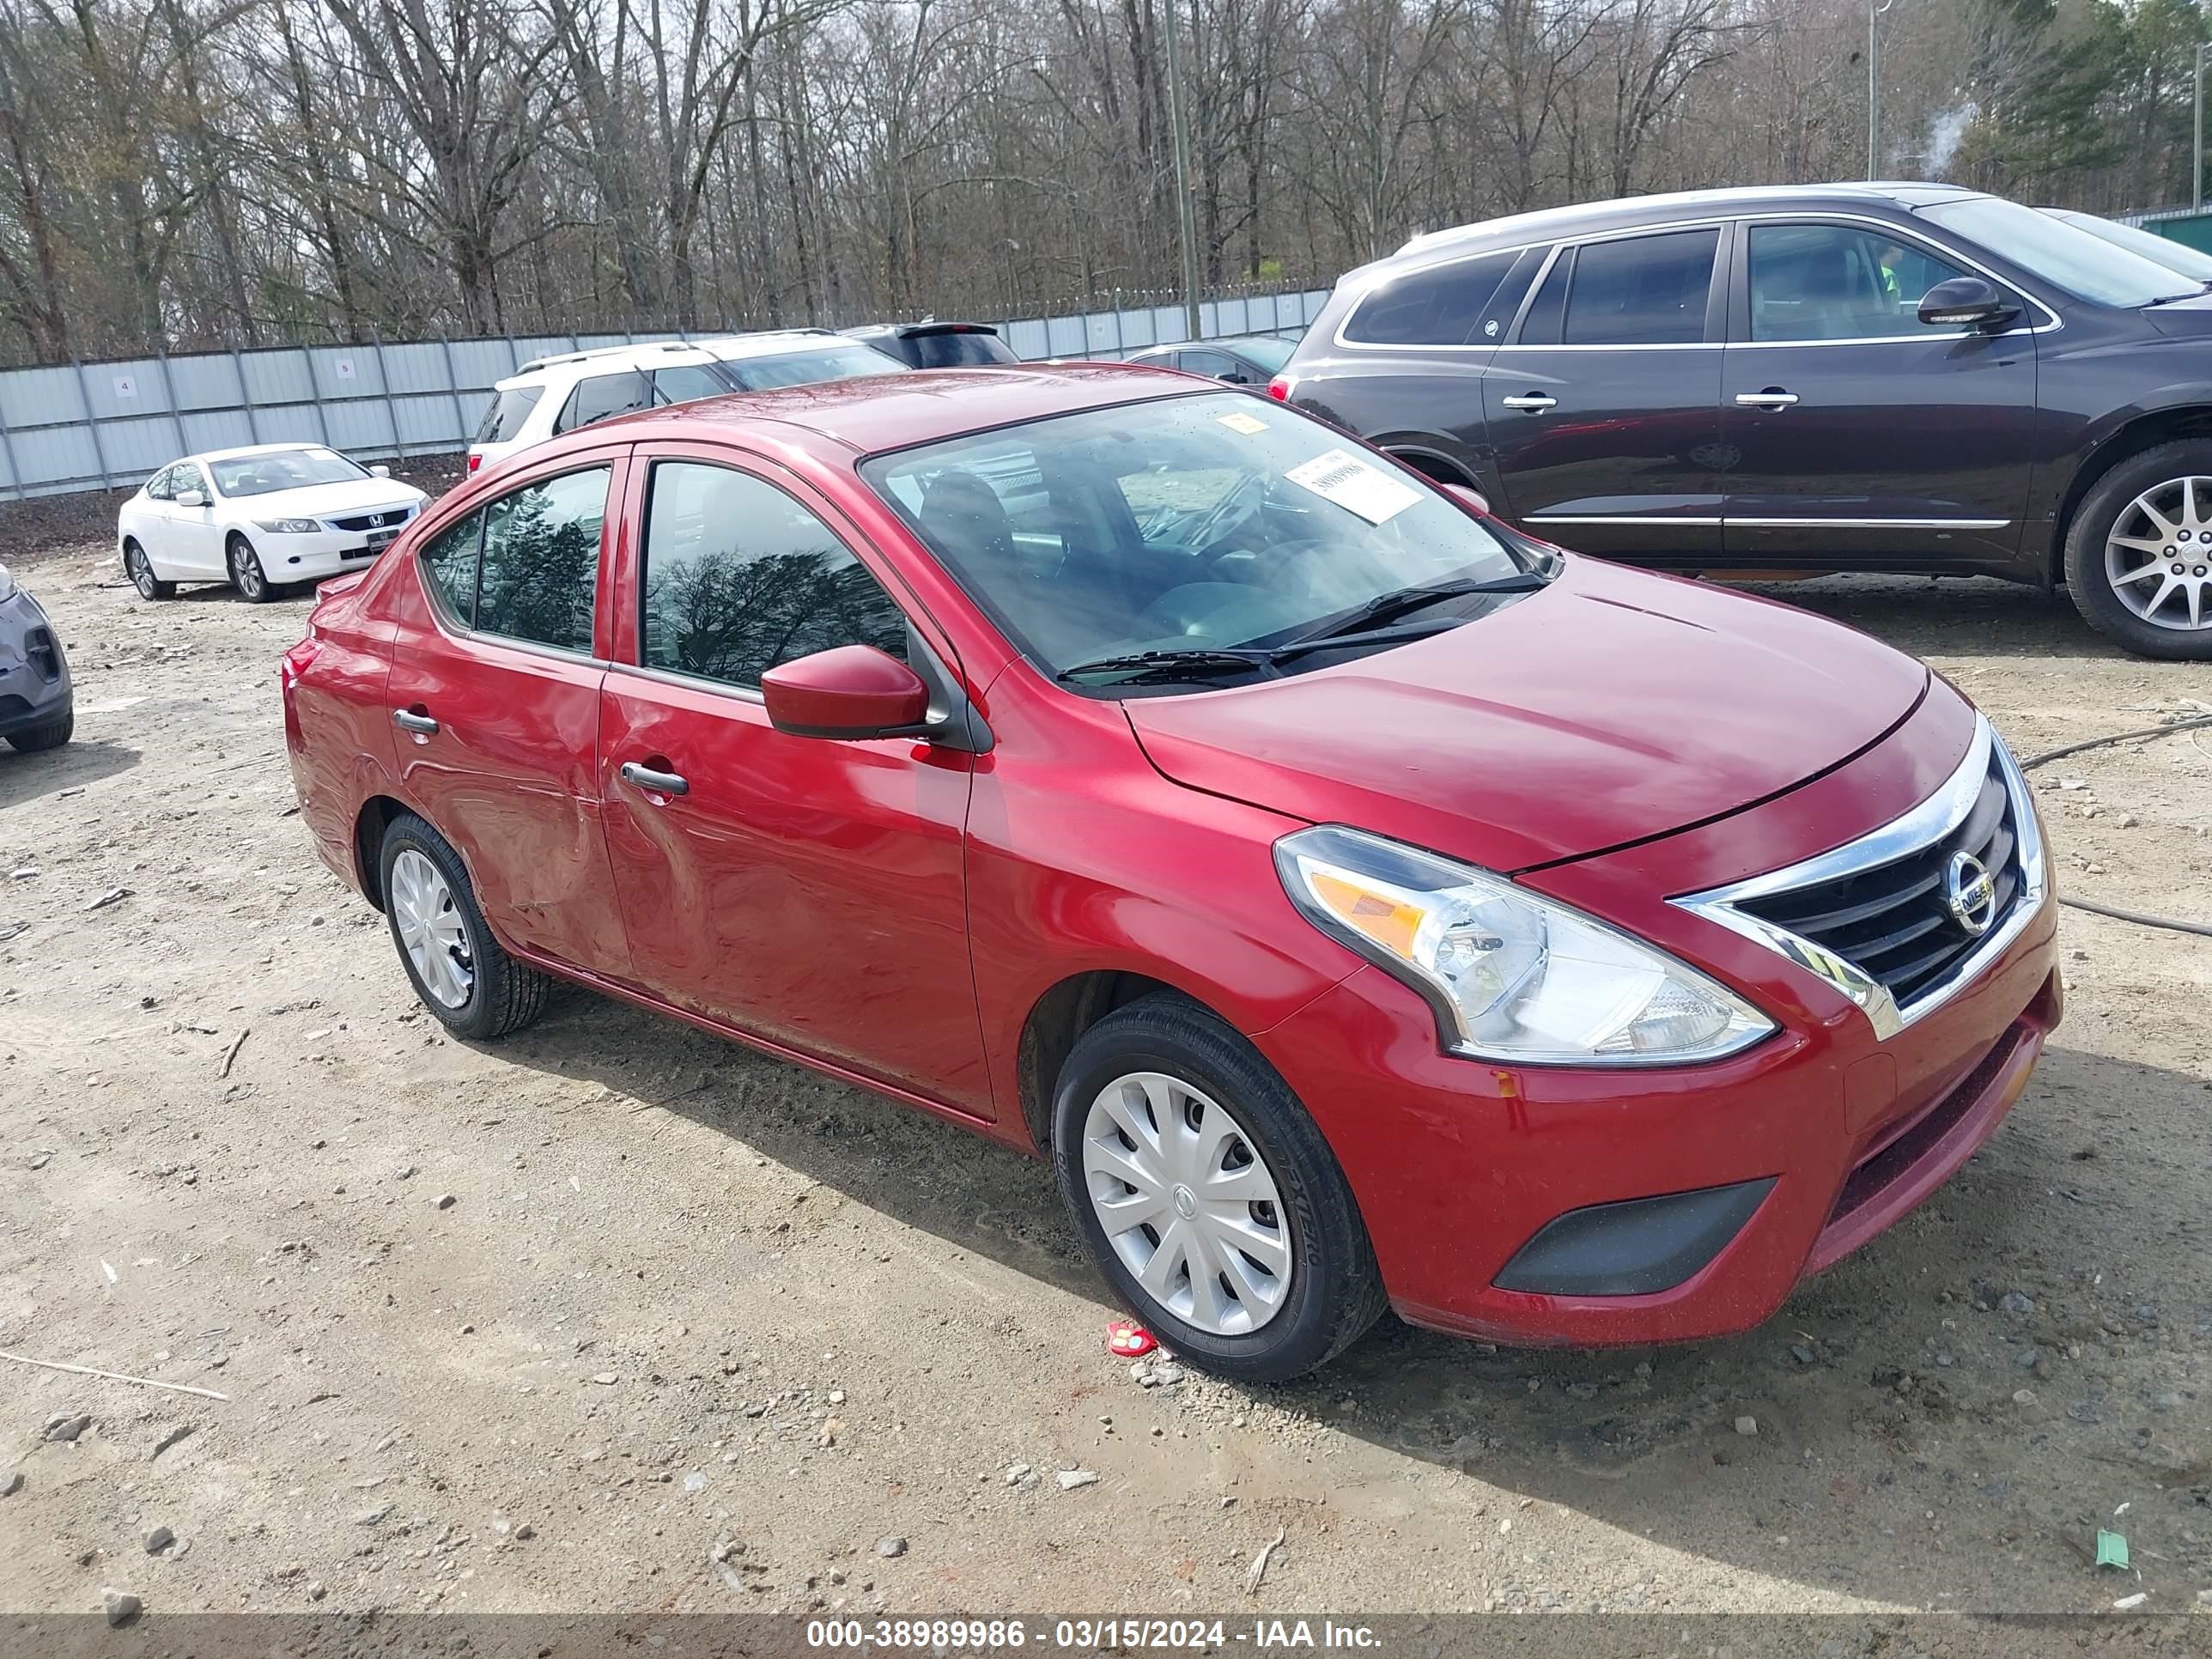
x,y
614,1315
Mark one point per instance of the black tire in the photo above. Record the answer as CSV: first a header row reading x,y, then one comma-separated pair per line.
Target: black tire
x,y
504,994
52,735
1335,1290
247,574
140,570
2091,586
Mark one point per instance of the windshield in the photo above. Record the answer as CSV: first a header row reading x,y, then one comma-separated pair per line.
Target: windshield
x,y
283,468
2161,250
816,363
1185,524
1265,350
2063,255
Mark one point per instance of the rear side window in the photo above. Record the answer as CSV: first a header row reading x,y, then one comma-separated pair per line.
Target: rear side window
x,y
541,560
740,577
1642,291
1467,302
449,565
502,421
603,395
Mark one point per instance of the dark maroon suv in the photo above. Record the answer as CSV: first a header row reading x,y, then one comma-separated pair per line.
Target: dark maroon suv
x,y
1838,377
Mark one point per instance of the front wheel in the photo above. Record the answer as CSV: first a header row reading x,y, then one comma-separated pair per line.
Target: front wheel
x,y
247,574
457,968
1210,1199
52,735
2139,552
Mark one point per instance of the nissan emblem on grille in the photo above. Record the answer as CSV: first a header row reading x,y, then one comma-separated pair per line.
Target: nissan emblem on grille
x,y
1970,894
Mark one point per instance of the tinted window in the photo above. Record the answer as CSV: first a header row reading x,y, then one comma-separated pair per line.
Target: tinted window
x,y
502,421
1832,282
681,384
1541,326
541,560
1644,290
1267,351
830,362
1462,303
1217,365
449,567
740,577
603,395
964,349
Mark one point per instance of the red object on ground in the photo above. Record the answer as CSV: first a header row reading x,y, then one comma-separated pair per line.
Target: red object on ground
x,y
1129,1340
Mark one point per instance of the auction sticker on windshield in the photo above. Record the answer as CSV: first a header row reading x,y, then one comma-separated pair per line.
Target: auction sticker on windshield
x,y
1340,476
1238,421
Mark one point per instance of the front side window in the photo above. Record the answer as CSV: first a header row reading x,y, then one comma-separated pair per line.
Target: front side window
x,y
1216,366
738,577
190,477
502,421
1642,291
603,395
162,485
1187,524
541,560
281,469
1466,302
1835,283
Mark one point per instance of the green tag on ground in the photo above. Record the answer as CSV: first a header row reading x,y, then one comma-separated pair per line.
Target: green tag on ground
x,y
2111,1550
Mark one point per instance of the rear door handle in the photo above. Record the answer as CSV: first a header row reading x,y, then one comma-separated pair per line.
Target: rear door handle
x,y
1773,397
1533,402
661,783
408,721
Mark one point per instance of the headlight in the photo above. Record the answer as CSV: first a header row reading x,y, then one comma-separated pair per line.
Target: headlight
x,y
289,526
1512,976
7,585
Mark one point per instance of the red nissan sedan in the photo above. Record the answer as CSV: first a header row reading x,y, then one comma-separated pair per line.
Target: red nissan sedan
x,y
1359,902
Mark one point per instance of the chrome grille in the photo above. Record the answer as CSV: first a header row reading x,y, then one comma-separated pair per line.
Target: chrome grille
x,y
1879,918
389,518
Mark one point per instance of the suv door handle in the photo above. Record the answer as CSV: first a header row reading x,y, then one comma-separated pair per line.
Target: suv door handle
x,y
661,783
1534,402
408,721
1772,398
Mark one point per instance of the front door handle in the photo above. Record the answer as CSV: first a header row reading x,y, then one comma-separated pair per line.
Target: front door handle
x,y
1533,402
408,721
1773,397
660,783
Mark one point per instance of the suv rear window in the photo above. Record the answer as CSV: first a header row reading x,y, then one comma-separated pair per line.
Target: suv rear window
x,y
502,421
1466,302
959,349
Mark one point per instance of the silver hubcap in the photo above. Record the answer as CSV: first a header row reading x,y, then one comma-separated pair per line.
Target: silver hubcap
x,y
2158,556
244,571
141,572
1187,1203
430,929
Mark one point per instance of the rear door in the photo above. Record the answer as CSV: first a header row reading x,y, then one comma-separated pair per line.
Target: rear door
x,y
809,892
1858,434
495,694
1603,410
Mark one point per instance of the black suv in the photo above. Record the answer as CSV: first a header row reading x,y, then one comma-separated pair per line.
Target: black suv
x,y
1840,377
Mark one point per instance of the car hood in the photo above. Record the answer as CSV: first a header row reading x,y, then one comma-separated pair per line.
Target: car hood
x,y
1615,706
321,500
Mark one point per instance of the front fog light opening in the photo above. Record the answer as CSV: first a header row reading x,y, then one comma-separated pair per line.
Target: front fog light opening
x,y
1512,975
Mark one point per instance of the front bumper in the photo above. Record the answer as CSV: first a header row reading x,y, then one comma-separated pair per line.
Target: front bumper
x,y
34,676
316,557
1471,1175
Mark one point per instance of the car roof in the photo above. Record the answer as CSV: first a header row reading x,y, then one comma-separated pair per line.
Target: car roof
x,y
244,450
873,413
734,347
672,353
1628,211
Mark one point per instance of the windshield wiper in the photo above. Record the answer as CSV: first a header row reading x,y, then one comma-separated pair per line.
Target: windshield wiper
x,y
2169,299
1193,664
1403,601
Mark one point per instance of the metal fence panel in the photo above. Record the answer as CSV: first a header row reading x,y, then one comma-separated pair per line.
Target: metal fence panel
x,y
98,425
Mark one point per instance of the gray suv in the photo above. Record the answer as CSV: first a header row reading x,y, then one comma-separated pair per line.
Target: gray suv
x,y
36,709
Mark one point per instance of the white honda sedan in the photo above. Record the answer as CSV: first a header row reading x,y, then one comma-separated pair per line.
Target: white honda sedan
x,y
259,519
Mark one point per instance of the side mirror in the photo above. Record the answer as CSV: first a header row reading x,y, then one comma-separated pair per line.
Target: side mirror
x,y
1966,303
1473,499
379,471
190,498
851,692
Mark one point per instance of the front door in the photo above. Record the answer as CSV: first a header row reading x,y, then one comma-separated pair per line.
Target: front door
x,y
1603,412
1857,433
495,694
809,892
195,538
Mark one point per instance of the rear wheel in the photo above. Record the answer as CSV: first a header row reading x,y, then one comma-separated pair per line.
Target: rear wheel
x,y
247,574
1207,1195
140,570
457,968
52,735
2139,552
